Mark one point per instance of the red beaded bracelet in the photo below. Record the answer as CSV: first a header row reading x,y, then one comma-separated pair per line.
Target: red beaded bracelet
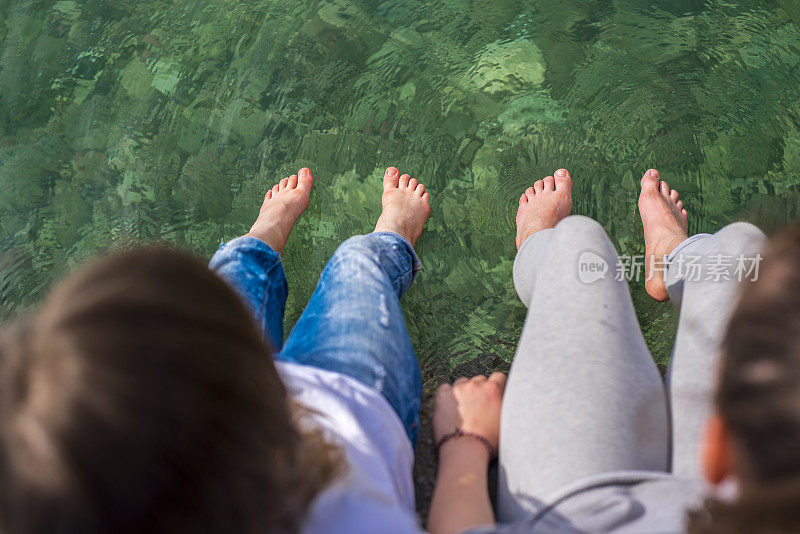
x,y
458,433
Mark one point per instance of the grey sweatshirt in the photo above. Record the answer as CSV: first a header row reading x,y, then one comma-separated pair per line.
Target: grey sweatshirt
x,y
618,503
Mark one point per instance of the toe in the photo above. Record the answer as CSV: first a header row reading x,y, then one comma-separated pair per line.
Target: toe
x,y
538,186
292,182
420,189
413,183
650,179
275,189
532,191
305,180
404,179
664,188
523,199
391,178
563,180
283,183
549,184
268,195
679,205
673,196
684,212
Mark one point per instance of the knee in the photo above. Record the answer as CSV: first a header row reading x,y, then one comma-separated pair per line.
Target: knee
x,y
579,224
355,243
367,245
580,232
371,243
357,249
742,238
565,244
373,258
743,230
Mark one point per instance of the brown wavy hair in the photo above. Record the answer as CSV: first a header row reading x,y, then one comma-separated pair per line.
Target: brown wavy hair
x,y
758,397
142,398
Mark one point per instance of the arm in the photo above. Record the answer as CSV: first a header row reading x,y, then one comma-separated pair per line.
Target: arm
x,y
461,498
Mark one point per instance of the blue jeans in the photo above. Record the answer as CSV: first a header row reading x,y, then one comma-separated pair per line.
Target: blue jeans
x,y
353,323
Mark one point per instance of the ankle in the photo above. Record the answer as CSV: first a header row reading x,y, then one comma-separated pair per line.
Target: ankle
x,y
672,243
395,229
272,237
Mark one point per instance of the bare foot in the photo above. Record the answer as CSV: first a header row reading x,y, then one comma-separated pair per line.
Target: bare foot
x,y
544,205
406,206
666,226
283,204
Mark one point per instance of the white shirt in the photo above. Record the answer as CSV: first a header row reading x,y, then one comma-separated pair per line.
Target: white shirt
x,y
375,494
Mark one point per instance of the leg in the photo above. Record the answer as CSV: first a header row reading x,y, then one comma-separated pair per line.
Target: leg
x,y
256,272
583,396
354,323
700,276
252,263
705,307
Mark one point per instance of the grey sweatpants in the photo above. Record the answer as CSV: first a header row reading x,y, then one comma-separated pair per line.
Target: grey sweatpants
x,y
584,397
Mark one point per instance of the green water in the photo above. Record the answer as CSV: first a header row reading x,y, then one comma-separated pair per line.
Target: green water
x,y
131,121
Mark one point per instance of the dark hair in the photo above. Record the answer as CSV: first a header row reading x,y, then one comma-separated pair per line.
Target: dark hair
x,y
758,397
141,398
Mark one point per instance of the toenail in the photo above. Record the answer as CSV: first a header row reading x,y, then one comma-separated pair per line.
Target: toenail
x,y
654,173
561,173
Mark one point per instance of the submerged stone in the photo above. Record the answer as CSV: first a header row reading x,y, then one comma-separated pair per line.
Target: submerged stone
x,y
408,37
67,11
136,79
338,13
507,68
167,75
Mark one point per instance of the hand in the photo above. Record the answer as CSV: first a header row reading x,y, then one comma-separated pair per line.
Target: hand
x,y
473,405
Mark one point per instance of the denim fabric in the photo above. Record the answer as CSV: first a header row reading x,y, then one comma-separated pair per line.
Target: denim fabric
x,y
353,323
256,272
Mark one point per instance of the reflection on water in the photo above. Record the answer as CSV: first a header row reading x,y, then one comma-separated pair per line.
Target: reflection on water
x,y
127,121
